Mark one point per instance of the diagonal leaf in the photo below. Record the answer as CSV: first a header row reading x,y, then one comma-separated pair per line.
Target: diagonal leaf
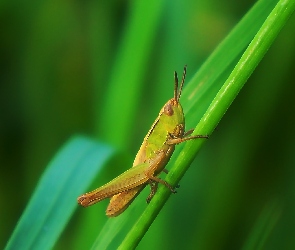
x,y
54,199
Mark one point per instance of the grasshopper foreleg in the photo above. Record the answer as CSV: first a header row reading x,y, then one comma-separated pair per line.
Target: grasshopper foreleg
x,y
174,141
189,132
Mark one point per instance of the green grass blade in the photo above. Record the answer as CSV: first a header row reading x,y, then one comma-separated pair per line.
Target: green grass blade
x,y
207,81
110,231
129,70
246,65
264,225
54,201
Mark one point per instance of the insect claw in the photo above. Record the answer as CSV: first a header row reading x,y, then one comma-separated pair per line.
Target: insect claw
x,y
171,189
148,199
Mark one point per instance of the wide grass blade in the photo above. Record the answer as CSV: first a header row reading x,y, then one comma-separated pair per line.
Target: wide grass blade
x,y
54,201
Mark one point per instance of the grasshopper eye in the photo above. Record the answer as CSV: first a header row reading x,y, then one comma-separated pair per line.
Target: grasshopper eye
x,y
168,109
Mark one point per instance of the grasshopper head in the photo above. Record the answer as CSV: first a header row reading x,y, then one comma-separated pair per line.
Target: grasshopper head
x,y
172,110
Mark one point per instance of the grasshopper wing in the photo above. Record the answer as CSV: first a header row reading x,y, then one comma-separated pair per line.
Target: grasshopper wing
x,y
130,179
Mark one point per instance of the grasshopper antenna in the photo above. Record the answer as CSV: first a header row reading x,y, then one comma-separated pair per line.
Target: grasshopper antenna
x,y
175,86
182,82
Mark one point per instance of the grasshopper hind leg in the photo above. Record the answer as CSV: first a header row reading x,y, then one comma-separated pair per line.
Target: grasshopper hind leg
x,y
166,172
156,179
154,187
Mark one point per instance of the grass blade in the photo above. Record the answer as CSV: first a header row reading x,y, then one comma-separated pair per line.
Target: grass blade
x,y
54,200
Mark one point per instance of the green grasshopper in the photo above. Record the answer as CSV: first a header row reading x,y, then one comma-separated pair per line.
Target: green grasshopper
x,y
151,159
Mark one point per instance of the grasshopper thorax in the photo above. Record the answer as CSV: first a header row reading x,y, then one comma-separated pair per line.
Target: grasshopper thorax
x,y
173,119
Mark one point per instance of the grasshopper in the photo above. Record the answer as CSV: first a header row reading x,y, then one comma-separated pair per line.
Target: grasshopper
x,y
151,159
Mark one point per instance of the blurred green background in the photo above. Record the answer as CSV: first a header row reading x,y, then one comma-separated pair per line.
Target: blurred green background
x,y
60,63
